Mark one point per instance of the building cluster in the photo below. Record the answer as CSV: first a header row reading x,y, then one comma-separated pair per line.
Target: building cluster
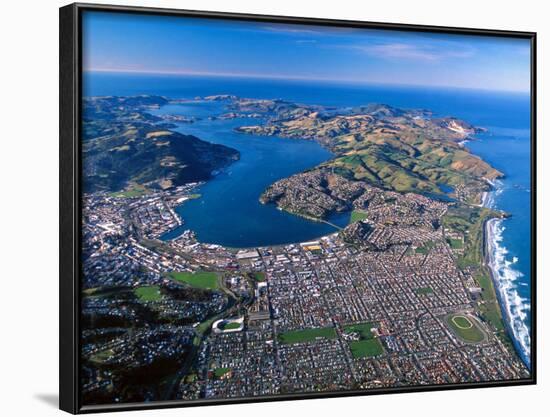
x,y
296,302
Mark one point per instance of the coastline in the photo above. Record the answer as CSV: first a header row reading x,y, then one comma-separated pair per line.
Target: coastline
x,y
490,247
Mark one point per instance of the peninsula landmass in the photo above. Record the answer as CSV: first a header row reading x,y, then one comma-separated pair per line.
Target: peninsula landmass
x,y
401,296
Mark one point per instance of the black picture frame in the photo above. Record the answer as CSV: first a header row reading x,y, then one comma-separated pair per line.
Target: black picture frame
x,y
71,215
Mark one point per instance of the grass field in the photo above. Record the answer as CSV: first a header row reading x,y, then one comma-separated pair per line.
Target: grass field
x,y
106,292
425,249
357,216
470,221
135,190
490,310
259,276
205,325
462,322
364,330
148,293
204,280
219,372
307,335
102,356
491,313
229,326
466,328
455,243
368,344
90,291
366,348
424,291
484,281
190,378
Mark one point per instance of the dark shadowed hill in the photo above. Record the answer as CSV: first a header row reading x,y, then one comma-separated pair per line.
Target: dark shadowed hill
x,y
125,144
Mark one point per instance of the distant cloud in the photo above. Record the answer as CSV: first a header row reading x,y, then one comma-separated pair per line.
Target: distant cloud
x,y
420,52
306,41
292,30
321,31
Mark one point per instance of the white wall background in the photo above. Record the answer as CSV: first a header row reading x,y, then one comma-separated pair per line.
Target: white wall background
x,y
29,204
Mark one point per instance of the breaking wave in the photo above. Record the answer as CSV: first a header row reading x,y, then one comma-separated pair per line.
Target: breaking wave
x,y
506,277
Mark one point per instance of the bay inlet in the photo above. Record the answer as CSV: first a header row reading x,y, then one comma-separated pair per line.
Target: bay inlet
x,y
229,212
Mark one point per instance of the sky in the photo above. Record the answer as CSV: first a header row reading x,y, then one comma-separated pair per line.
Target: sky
x,y
117,42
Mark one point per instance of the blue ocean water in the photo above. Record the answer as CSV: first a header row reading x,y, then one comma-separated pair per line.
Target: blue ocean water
x,y
508,149
229,212
506,146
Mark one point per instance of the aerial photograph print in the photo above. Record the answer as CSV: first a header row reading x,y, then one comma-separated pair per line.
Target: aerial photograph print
x,y
275,209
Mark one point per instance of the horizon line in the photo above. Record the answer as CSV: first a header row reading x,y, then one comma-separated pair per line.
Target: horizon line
x,y
289,77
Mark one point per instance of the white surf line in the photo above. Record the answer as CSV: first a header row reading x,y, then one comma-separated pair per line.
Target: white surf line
x,y
505,278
